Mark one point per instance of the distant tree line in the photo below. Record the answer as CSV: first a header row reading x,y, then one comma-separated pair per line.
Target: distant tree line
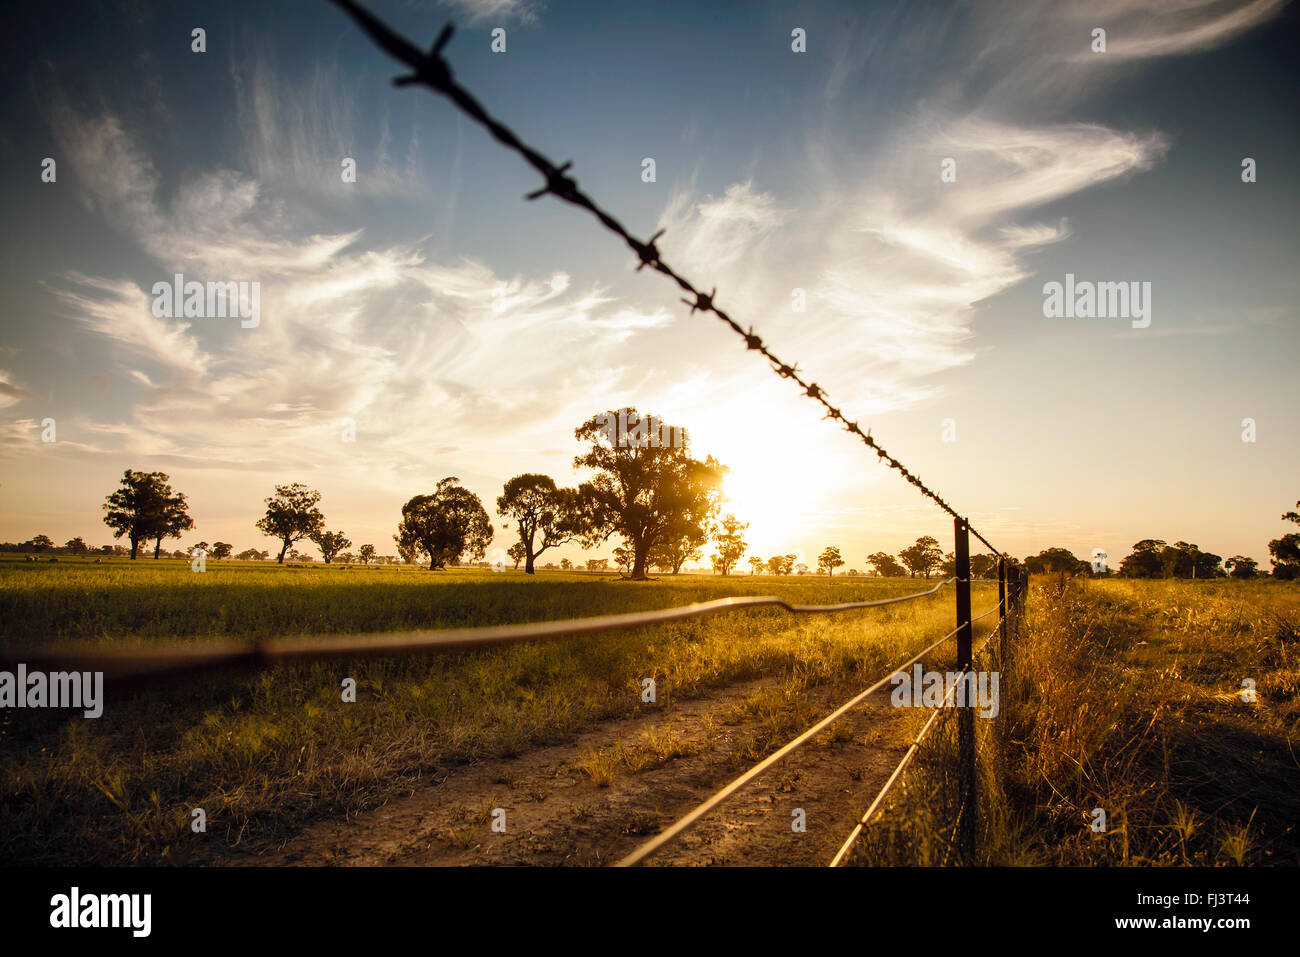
x,y
662,503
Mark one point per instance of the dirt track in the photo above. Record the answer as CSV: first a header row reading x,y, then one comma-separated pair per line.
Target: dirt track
x,y
556,813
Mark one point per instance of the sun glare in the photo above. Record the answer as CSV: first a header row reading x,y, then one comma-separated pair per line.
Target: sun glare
x,y
772,494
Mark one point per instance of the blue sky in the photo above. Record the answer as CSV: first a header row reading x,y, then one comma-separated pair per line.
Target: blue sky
x,y
467,332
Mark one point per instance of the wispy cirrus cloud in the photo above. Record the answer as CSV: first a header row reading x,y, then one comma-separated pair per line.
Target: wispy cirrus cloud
x,y
1152,28
10,392
298,129
1033,54
894,274
479,12
379,335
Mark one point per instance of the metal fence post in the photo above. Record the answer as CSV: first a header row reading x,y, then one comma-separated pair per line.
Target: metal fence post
x,y
1013,598
1004,650
1002,613
965,702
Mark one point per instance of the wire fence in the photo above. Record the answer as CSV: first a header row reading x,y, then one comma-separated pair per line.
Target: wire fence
x,y
433,71
896,775
128,667
124,668
689,820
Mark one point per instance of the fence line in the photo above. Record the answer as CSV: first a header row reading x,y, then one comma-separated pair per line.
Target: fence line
x,y
915,747
687,821
128,667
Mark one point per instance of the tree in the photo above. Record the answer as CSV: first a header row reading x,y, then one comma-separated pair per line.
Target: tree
x,y
444,527
755,564
830,560
291,515
1207,565
984,566
731,544
670,555
623,559
684,540
77,546
566,564
949,566
139,508
252,555
597,564
41,543
646,493
780,564
517,554
221,550
1284,552
367,554
204,547
174,520
923,557
1144,560
1185,560
544,516
1055,560
1239,566
330,544
886,565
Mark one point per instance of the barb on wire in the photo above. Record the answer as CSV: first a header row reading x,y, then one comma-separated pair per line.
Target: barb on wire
x,y
434,72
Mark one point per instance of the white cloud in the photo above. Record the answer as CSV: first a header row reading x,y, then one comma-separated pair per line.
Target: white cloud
x,y
10,392
1150,28
894,263
297,133
424,356
497,11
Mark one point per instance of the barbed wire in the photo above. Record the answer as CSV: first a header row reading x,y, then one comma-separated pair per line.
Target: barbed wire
x,y
432,70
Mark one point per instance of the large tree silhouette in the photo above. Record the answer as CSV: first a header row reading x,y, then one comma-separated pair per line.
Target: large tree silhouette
x,y
643,489
544,516
922,557
145,508
291,515
445,527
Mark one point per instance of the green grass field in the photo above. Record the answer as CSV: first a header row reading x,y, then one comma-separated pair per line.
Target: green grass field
x,y
1121,695
262,754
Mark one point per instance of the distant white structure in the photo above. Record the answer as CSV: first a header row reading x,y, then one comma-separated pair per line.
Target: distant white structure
x,y
1099,561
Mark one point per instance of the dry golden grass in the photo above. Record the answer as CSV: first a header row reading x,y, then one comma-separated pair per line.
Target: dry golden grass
x,y
1127,696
